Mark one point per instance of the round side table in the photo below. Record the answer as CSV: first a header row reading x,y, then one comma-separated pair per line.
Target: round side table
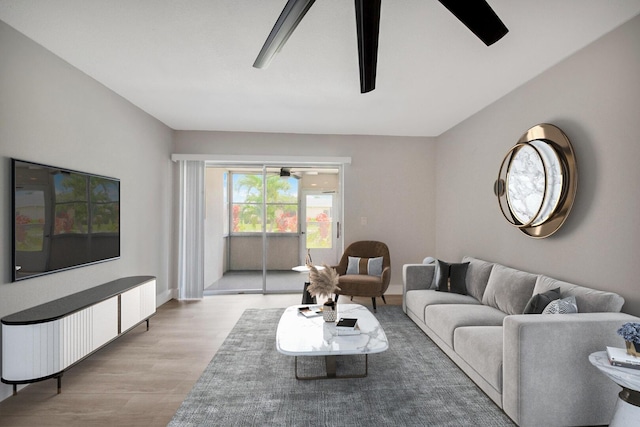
x,y
627,412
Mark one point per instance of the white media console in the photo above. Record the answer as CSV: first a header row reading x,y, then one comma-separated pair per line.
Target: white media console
x,y
42,342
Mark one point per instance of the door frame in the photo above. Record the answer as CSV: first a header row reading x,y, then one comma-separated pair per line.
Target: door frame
x,y
274,161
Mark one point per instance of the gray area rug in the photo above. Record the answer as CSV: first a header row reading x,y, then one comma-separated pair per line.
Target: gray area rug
x,y
248,383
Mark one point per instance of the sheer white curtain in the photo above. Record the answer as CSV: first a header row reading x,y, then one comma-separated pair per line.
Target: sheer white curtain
x,y
191,234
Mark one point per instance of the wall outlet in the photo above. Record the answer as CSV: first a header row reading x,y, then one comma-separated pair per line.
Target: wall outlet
x,y
363,220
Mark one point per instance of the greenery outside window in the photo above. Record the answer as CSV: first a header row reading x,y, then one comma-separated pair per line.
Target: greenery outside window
x,y
247,203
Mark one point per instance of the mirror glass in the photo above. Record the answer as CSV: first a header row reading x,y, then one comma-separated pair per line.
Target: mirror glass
x,y
534,182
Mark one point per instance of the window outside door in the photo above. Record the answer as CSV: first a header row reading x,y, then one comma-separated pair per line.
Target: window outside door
x,y
321,228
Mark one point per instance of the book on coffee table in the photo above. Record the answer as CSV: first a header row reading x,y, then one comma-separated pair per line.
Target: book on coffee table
x,y
347,326
310,311
619,357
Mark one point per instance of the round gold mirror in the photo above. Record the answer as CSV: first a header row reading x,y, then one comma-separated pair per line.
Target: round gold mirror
x,y
537,181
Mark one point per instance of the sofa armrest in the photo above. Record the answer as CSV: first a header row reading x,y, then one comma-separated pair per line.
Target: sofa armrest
x,y
547,377
417,276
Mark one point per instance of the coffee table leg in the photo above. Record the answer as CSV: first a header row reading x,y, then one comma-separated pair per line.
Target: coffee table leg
x,y
330,365
330,362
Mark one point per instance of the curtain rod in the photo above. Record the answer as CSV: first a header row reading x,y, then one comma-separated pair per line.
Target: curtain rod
x,y
263,159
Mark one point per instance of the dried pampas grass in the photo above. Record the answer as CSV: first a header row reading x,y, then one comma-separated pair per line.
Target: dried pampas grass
x,y
323,282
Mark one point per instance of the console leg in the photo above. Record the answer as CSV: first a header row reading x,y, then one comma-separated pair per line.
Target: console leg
x,y
147,324
15,389
60,384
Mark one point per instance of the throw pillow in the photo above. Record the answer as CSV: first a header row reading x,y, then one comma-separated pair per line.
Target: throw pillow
x,y
352,267
477,276
440,276
374,266
538,302
509,289
451,277
588,300
368,266
562,306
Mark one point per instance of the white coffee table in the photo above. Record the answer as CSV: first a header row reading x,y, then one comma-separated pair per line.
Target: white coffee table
x,y
298,335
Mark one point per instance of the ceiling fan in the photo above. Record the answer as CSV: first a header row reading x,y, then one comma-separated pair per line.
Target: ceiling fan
x,y
477,15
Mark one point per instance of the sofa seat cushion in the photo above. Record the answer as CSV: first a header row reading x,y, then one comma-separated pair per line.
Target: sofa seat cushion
x,y
588,300
508,289
361,285
418,300
481,348
444,319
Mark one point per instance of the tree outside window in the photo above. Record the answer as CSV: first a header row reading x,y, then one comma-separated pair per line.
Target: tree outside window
x,y
319,221
281,203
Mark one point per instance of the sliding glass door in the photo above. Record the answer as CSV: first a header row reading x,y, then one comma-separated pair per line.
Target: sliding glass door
x,y
272,215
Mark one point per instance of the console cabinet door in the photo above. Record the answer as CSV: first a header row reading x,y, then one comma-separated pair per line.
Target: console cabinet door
x,y
105,322
30,351
137,304
75,336
129,309
148,299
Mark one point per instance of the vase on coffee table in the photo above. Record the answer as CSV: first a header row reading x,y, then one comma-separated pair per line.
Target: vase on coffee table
x,y
329,311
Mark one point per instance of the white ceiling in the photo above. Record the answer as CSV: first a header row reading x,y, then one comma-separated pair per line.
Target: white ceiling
x,y
189,62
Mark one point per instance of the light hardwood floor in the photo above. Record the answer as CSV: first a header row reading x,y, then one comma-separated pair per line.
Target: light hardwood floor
x,y
142,378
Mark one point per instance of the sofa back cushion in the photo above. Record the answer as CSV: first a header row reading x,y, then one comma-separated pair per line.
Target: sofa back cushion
x,y
588,300
509,289
477,276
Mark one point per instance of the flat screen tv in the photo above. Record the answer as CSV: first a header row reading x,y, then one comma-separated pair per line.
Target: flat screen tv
x,y
62,219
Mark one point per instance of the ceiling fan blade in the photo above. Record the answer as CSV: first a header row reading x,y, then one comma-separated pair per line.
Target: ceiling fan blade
x,y
289,19
478,16
368,24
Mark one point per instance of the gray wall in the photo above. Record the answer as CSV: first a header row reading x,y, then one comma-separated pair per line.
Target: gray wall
x,y
391,181
52,113
594,96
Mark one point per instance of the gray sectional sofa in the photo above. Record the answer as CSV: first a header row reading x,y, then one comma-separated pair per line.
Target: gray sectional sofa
x,y
533,366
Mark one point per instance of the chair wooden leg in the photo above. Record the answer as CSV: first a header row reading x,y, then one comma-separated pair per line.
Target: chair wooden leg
x,y
385,301
373,299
